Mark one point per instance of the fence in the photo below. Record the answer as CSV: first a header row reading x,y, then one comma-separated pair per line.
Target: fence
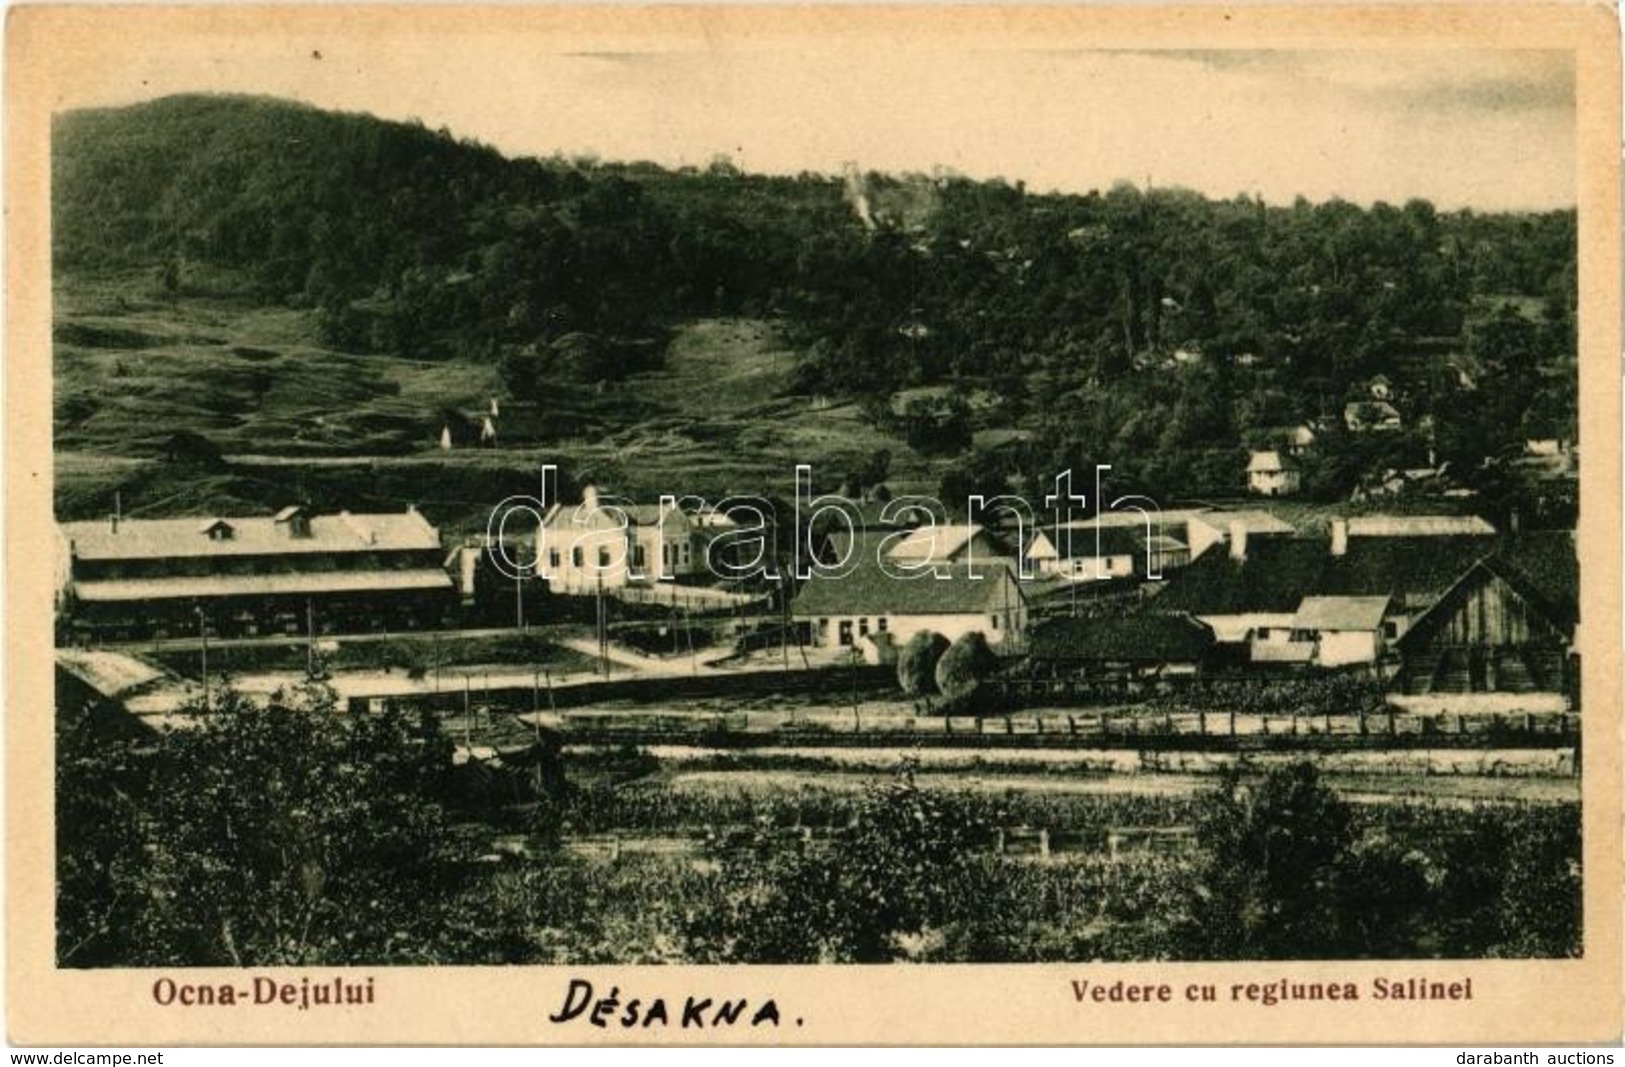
x,y
1126,688
668,595
1188,732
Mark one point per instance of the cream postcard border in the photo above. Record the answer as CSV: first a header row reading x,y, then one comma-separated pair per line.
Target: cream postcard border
x,y
62,56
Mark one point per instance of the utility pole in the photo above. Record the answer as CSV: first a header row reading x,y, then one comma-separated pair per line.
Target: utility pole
x,y
693,656
536,701
518,599
603,630
852,678
203,632
310,638
784,625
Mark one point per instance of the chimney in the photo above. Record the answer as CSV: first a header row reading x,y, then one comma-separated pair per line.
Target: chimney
x,y
1340,537
589,498
1514,523
1238,540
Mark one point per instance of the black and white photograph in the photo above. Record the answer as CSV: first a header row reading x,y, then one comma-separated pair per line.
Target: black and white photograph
x,y
757,504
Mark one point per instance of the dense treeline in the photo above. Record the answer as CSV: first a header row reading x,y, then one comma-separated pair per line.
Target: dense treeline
x,y
1157,330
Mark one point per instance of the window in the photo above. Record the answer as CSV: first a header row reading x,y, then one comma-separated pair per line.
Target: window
x,y
863,627
880,624
553,558
637,556
846,632
1390,629
603,556
575,556
993,621
685,550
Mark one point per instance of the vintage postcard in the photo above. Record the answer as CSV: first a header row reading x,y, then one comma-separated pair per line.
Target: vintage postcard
x,y
719,525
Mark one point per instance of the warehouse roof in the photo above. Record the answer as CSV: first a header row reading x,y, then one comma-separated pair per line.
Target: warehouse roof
x,y
257,535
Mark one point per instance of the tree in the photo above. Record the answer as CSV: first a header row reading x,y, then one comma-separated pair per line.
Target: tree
x,y
1539,907
963,667
281,835
100,899
917,663
1273,853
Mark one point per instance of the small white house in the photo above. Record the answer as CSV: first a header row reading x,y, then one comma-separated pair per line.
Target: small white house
x,y
1343,629
1272,474
1083,553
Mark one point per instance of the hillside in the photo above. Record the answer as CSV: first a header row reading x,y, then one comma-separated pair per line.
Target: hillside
x,y
288,281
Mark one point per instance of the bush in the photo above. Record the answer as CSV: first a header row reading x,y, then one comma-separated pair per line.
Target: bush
x,y
917,663
1269,881
910,867
963,667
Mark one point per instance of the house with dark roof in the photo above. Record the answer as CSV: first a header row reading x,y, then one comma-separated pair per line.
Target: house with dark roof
x,y
1133,645
1251,589
874,610
1252,592
248,575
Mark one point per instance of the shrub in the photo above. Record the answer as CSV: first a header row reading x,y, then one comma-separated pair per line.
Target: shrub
x,y
917,663
963,667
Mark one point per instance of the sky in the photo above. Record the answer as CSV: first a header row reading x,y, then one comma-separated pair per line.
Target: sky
x,y
1481,128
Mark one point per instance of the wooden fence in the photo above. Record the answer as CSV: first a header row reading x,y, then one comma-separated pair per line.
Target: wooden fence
x,y
1201,731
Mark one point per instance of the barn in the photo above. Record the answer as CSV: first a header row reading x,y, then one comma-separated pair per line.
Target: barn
x,y
1506,626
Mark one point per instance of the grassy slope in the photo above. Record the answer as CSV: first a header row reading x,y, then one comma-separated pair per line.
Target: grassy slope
x,y
133,366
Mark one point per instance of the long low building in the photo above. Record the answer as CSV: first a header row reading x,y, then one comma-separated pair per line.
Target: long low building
x,y
122,579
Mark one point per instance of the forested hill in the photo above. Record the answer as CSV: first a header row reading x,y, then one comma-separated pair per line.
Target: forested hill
x,y
1154,324
450,246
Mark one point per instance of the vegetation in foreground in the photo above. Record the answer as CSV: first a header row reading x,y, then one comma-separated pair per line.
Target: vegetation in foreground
x,y
294,835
